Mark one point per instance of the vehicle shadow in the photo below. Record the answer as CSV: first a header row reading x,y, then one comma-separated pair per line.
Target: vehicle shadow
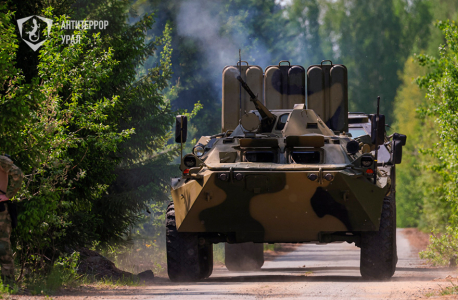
x,y
324,274
314,269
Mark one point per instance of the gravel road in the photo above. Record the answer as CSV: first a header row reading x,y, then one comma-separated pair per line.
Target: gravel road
x,y
310,272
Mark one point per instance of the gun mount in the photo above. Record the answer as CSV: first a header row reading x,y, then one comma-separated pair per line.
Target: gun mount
x,y
268,119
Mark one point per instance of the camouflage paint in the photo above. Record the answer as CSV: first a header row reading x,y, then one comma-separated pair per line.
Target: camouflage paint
x,y
253,75
327,94
284,86
279,206
10,177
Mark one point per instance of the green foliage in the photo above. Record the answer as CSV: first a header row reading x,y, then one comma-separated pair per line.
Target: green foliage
x,y
423,192
374,39
7,290
443,291
71,130
62,273
443,247
117,185
306,41
40,128
441,10
441,83
418,198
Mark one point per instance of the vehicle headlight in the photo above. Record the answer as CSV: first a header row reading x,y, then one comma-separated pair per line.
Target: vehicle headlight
x,y
189,161
198,151
366,161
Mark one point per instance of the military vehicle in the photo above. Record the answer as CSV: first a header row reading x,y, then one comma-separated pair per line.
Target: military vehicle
x,y
285,169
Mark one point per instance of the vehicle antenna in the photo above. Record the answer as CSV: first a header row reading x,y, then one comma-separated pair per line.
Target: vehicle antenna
x,y
377,118
240,85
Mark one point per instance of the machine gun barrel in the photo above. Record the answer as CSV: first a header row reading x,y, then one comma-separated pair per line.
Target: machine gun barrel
x,y
263,111
246,87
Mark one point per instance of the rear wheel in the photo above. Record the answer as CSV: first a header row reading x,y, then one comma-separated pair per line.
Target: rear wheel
x,y
378,249
244,257
206,262
187,259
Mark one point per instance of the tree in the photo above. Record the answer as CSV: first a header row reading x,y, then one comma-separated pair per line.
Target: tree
x,y
69,129
374,39
418,198
306,42
40,127
442,93
441,84
137,173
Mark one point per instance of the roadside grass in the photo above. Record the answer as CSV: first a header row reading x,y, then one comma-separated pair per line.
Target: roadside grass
x,y
64,272
63,275
444,291
111,282
58,280
7,291
144,250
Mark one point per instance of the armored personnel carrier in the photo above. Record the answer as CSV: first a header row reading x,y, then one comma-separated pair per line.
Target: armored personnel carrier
x,y
285,169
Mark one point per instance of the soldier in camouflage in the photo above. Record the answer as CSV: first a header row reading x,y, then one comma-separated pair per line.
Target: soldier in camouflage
x,y
10,183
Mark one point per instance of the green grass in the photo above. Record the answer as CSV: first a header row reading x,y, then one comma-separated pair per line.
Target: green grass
x,y
7,291
63,274
111,282
58,279
449,290
444,291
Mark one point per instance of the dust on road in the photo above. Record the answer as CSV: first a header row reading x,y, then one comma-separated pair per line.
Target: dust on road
x,y
310,272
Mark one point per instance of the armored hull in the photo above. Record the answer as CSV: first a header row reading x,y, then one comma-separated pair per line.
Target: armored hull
x,y
271,205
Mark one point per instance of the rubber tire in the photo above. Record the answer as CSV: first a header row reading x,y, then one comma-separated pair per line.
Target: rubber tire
x,y
378,249
206,254
186,259
244,257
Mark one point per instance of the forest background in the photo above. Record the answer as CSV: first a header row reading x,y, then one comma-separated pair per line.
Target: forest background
x,y
90,123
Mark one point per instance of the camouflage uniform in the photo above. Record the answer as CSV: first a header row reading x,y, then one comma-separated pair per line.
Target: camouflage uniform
x,y
13,177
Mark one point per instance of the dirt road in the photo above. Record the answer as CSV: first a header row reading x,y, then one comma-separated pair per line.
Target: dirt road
x,y
311,272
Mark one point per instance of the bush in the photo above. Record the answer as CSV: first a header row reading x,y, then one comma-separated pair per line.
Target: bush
x,y
442,94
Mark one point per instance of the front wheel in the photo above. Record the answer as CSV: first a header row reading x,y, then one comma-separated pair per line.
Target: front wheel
x,y
244,257
187,259
378,249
